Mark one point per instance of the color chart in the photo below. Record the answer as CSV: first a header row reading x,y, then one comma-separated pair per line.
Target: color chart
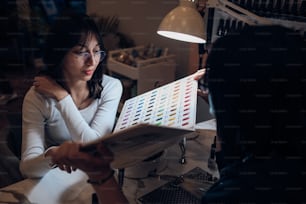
x,y
172,105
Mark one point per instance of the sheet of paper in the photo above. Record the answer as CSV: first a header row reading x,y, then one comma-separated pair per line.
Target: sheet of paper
x,y
207,125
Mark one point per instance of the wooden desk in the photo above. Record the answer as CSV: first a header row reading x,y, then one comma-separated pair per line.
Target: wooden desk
x,y
58,187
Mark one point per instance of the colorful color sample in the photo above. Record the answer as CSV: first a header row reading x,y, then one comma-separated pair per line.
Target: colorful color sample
x,y
171,105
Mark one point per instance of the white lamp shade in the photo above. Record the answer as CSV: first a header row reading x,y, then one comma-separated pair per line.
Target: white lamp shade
x,y
183,23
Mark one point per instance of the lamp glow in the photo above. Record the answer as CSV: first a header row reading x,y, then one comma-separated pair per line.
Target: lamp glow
x,y
183,23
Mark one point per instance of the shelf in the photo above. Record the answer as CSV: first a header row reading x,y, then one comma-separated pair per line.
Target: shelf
x,y
149,73
227,13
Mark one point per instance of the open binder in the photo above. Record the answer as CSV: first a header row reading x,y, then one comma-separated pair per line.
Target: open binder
x,y
151,122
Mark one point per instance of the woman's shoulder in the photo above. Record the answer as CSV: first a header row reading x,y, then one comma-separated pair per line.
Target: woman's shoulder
x,y
32,94
111,82
109,79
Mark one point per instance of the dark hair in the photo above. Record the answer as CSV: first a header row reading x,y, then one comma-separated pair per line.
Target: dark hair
x,y
68,30
257,83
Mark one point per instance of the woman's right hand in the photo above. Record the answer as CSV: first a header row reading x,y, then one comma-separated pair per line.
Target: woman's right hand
x,y
69,157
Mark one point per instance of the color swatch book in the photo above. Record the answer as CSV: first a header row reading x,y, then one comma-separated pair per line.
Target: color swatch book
x,y
171,105
151,122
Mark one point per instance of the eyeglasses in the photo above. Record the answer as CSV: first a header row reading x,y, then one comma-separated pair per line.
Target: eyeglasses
x,y
98,55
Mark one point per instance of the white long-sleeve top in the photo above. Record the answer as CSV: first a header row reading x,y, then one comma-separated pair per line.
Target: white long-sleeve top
x,y
47,122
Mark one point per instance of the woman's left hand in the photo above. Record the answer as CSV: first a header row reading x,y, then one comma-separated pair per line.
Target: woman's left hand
x,y
49,87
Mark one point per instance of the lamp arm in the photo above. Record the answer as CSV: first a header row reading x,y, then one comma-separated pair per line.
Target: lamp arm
x,y
238,12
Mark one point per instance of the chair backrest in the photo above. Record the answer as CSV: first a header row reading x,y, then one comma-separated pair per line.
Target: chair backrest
x,y
14,117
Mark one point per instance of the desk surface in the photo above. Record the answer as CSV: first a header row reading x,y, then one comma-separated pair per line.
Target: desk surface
x,y
58,187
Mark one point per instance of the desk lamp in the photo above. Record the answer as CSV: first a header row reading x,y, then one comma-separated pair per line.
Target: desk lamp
x,y
185,23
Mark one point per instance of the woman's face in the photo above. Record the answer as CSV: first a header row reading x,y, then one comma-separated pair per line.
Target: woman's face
x,y
81,61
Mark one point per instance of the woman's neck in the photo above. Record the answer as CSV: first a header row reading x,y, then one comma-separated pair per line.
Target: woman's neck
x,y
79,93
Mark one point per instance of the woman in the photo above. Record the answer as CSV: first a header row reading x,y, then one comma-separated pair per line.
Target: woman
x,y
71,100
